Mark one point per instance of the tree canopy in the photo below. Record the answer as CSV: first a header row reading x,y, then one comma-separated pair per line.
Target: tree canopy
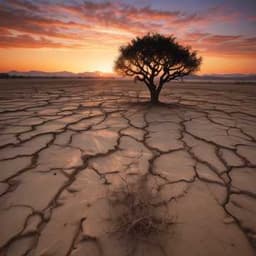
x,y
155,60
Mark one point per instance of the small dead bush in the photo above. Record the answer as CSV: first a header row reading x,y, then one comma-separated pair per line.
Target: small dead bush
x,y
135,213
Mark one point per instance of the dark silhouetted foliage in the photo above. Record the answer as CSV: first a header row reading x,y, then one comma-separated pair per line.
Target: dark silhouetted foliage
x,y
155,60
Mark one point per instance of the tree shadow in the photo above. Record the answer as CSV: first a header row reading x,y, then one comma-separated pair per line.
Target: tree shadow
x,y
149,105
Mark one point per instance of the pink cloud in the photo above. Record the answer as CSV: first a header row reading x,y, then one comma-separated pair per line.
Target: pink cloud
x,y
219,38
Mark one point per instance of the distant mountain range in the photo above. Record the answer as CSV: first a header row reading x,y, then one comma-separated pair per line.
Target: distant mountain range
x,y
61,74
98,74
237,76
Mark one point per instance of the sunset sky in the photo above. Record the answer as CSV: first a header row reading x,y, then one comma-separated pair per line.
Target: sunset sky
x,y
83,36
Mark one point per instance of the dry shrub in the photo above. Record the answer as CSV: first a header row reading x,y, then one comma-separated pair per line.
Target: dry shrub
x,y
134,211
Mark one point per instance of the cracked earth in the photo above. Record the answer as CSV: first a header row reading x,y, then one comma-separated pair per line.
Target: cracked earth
x,y
64,144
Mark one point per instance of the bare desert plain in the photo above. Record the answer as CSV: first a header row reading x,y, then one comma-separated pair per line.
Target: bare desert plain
x,y
71,151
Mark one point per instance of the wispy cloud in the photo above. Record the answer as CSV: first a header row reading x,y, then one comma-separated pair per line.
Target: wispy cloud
x,y
26,41
214,44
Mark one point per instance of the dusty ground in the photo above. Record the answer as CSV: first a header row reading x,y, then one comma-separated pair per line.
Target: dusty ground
x,y
64,145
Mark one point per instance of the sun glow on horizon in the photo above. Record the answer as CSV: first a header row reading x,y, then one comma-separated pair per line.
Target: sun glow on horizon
x,y
77,62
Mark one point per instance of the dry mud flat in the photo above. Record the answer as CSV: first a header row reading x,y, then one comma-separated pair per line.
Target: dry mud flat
x,y
66,144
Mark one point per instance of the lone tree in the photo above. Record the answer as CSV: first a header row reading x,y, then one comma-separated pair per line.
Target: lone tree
x,y
155,60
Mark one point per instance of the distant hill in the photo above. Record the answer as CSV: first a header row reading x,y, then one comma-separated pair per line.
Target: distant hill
x,y
61,74
237,77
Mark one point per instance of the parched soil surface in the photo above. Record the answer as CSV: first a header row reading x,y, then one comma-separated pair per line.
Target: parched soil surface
x,y
65,145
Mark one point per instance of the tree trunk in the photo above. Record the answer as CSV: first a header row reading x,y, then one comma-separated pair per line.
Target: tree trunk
x,y
154,97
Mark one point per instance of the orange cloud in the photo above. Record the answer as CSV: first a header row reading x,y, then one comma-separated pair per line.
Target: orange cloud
x,y
26,41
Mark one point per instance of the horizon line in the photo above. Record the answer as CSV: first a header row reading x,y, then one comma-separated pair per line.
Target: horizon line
x,y
113,73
